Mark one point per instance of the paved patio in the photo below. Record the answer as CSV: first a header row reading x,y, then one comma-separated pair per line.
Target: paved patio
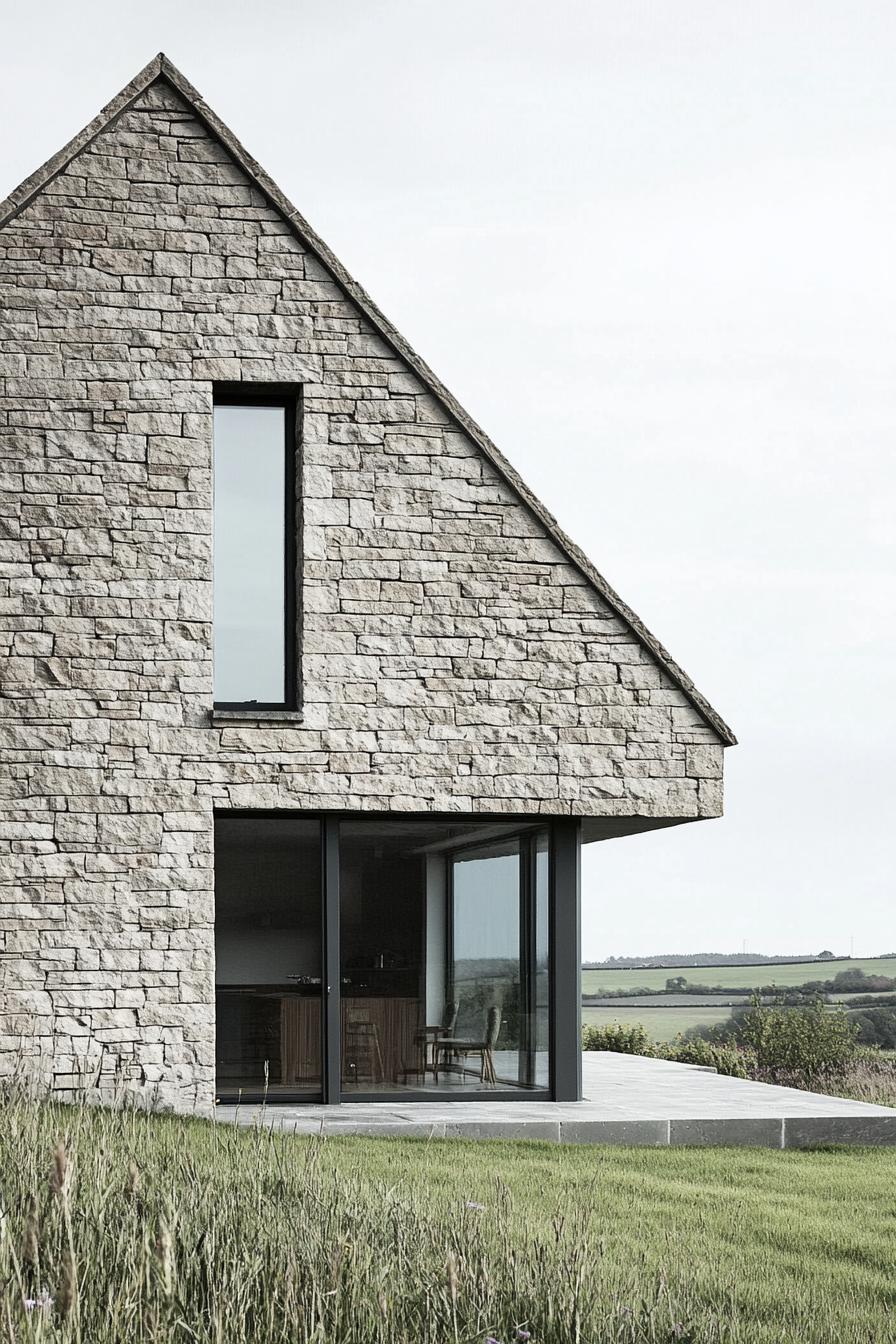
x,y
628,1100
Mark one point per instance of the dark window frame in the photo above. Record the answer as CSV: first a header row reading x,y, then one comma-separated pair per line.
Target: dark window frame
x,y
289,396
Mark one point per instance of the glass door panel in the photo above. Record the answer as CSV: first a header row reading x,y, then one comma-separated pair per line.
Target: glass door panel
x,y
486,963
541,996
268,935
499,956
383,894
438,982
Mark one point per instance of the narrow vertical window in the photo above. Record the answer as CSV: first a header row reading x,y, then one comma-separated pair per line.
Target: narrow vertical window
x,y
254,551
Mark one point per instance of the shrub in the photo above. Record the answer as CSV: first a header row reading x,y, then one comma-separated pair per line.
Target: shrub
x,y
849,981
875,1026
872,1001
732,1060
623,1038
810,1041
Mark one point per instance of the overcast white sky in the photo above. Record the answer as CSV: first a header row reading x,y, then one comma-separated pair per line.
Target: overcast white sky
x,y
650,246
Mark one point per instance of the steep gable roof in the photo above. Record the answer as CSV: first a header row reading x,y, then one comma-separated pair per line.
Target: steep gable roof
x,y
160,68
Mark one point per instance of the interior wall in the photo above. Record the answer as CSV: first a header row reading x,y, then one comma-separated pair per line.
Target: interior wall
x,y
436,970
381,903
268,914
263,956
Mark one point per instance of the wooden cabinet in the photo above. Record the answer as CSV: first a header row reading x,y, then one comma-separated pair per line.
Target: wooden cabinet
x,y
300,1042
379,1045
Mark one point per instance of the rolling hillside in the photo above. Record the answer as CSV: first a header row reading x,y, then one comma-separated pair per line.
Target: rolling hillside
x,y
732,977
665,1016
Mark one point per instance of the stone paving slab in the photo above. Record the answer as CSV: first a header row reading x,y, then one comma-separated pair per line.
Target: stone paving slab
x,y
628,1100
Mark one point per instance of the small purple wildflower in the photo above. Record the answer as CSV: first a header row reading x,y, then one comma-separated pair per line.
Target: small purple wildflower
x,y
523,1334
490,1339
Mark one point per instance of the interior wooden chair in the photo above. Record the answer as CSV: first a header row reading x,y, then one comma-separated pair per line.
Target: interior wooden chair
x,y
444,1046
428,1036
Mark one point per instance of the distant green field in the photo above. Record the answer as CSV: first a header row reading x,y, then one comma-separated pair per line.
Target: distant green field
x,y
598,982
661,1024
851,998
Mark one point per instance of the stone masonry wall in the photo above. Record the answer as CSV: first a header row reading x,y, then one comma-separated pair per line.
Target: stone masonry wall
x,y
454,660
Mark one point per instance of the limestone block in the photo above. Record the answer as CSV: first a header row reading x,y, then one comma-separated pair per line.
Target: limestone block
x,y
704,761
134,830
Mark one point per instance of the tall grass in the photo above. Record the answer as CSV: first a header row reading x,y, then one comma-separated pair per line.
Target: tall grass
x,y
870,1078
120,1227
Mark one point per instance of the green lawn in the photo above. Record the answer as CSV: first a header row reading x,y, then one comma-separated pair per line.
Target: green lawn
x,y
598,982
661,1023
167,1230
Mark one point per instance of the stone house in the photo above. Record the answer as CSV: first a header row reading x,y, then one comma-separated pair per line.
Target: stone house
x,y
293,776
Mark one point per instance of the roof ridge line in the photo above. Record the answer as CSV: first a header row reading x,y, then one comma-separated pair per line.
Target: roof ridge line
x,y
162,67
25,192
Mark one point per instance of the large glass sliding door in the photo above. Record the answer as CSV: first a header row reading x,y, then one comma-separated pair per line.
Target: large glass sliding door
x,y
437,943
439,976
268,946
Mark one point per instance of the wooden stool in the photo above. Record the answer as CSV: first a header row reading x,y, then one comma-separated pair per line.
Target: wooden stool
x,y
361,1049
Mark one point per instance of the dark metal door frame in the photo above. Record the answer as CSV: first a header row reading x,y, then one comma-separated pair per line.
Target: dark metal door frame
x,y
331,1017
565,943
565,962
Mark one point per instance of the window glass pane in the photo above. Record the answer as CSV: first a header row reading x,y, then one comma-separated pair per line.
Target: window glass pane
x,y
249,570
268,925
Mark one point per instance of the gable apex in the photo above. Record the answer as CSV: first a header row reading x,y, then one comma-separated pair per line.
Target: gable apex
x,y
160,68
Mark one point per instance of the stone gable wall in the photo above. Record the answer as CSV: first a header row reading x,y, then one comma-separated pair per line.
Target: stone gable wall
x,y
453,659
